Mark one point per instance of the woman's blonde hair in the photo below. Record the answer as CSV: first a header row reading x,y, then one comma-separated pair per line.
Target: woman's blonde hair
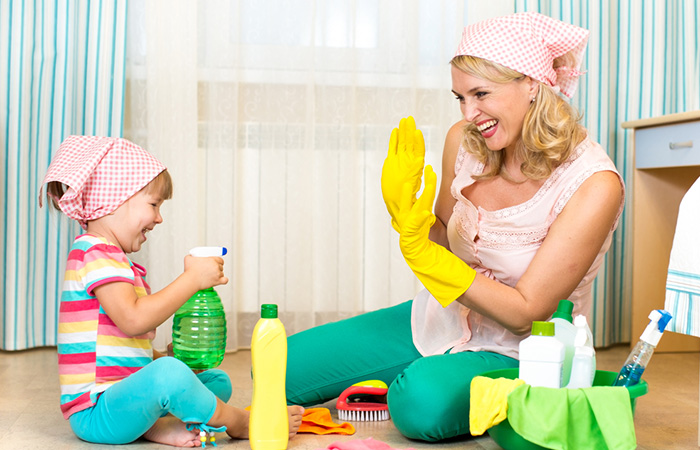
x,y
161,185
551,128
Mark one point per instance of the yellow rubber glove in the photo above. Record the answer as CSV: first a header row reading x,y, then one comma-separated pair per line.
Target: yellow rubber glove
x,y
442,272
488,402
403,164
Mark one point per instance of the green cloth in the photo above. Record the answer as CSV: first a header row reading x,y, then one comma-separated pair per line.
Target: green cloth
x,y
597,417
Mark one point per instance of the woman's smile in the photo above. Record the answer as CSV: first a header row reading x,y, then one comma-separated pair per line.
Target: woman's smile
x,y
487,128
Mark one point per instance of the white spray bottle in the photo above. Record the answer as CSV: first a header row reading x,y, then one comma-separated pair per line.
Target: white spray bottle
x,y
583,364
638,359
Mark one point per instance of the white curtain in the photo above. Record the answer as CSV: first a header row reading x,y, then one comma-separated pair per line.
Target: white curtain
x,y
61,73
274,119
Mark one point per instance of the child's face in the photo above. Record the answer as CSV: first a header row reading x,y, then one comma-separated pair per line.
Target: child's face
x,y
134,218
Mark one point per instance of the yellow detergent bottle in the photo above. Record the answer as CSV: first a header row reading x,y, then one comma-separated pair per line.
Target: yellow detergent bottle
x,y
269,419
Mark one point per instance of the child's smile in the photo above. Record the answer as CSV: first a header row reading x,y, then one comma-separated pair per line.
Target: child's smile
x,y
129,224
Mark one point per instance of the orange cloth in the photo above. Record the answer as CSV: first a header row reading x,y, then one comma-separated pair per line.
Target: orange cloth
x,y
319,421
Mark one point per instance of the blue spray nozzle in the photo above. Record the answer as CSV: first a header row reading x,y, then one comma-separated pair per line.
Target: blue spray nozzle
x,y
658,319
664,319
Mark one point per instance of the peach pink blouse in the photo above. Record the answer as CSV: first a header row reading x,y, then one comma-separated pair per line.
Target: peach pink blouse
x,y
508,240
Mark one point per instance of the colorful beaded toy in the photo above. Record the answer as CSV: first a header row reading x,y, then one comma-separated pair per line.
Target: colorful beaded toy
x,y
204,430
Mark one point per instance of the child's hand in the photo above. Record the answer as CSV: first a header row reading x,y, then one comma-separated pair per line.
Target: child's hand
x,y
209,271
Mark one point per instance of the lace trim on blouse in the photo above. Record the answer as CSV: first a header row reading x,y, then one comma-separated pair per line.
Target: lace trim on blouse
x,y
467,215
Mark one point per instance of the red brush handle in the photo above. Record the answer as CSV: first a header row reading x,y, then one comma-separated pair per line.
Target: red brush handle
x,y
366,390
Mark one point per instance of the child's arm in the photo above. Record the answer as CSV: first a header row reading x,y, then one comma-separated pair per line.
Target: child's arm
x,y
137,315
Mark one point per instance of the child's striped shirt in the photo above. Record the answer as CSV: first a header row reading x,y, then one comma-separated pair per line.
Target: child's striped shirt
x,y
93,353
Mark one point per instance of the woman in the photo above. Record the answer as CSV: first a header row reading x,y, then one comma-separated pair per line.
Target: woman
x,y
523,218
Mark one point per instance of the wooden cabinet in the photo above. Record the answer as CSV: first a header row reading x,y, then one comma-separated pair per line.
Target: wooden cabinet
x,y
667,162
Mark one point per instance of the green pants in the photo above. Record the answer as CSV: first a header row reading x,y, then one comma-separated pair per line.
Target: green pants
x,y
428,396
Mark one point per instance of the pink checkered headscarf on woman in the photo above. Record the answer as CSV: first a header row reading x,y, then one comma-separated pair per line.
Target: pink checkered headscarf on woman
x,y
529,43
101,173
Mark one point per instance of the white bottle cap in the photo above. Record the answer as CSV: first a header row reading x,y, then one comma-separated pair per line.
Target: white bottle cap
x,y
580,321
208,251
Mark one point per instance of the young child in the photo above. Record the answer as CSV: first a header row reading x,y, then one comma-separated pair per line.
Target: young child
x,y
114,387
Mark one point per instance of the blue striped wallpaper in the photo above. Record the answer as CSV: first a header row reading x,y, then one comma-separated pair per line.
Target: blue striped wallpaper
x,y
62,73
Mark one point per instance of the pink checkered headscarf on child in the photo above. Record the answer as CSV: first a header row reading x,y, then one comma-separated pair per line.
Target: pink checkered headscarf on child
x,y
529,43
101,173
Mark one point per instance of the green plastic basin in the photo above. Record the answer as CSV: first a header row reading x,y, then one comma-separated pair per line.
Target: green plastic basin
x,y
504,435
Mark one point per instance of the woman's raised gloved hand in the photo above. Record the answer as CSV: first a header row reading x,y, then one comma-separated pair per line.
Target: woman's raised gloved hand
x,y
442,273
403,164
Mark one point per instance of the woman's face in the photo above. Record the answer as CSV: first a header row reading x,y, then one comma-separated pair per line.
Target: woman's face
x,y
497,109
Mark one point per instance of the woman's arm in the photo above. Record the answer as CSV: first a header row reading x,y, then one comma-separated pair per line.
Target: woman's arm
x,y
445,202
572,244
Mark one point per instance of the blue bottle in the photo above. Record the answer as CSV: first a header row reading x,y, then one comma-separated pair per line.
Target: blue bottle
x,y
638,359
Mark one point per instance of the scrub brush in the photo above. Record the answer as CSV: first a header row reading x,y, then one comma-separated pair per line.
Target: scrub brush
x,y
364,402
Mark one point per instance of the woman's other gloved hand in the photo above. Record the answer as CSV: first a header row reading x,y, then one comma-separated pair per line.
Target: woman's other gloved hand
x,y
442,273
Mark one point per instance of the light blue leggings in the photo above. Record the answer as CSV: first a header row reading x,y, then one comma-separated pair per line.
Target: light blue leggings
x,y
428,396
125,411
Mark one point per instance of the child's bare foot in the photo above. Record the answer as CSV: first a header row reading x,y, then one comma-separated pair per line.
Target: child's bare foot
x,y
241,430
237,419
295,414
170,430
